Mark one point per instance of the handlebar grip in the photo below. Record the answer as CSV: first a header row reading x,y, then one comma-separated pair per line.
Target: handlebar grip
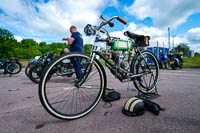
x,y
102,31
121,20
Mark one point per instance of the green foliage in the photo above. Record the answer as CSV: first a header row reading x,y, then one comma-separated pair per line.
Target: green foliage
x,y
5,35
57,47
87,48
192,62
197,54
7,43
182,47
28,48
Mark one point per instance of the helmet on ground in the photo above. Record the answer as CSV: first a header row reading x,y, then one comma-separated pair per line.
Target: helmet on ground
x,y
133,107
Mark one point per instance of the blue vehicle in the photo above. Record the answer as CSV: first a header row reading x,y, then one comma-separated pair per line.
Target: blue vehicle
x,y
161,54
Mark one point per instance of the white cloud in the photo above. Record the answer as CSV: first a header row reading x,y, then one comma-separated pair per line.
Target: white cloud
x,y
156,35
164,13
38,40
145,30
88,39
193,38
18,38
51,19
141,30
119,34
193,35
164,41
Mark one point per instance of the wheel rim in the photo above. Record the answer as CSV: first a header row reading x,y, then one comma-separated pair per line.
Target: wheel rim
x,y
35,73
13,68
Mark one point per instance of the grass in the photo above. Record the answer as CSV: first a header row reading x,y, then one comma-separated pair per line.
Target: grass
x,y
193,62
24,62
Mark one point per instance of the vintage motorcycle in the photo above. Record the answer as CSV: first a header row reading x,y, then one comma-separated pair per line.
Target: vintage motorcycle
x,y
10,66
65,68
38,66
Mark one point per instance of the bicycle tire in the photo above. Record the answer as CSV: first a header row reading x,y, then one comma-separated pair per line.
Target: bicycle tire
x,y
53,107
151,69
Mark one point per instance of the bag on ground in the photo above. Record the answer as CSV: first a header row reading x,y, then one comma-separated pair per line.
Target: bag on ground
x,y
152,107
110,95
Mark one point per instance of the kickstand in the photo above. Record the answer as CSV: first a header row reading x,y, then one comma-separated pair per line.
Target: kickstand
x,y
130,89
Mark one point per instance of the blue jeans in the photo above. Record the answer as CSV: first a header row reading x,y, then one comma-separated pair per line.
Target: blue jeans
x,y
76,61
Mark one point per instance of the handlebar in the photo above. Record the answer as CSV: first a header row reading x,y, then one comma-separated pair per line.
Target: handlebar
x,y
108,21
102,31
92,30
121,20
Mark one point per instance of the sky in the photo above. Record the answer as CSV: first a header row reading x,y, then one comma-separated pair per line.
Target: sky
x,y
49,20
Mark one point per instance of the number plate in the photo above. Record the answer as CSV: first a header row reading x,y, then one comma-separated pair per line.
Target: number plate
x,y
171,62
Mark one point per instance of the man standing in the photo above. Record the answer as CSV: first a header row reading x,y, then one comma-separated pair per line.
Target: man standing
x,y
76,45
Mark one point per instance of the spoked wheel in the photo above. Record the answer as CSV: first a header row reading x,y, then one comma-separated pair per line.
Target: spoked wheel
x,y
64,97
34,73
28,67
147,66
27,70
14,68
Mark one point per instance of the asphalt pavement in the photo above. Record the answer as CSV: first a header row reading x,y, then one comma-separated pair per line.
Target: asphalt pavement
x,y
21,111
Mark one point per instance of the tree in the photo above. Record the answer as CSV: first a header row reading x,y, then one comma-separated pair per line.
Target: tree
x,y
7,43
196,54
57,47
182,47
5,35
30,48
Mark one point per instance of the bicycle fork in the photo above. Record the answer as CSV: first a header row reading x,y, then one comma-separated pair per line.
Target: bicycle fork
x,y
87,71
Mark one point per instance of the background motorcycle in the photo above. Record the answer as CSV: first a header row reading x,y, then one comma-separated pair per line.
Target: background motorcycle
x,y
176,60
10,65
31,64
38,66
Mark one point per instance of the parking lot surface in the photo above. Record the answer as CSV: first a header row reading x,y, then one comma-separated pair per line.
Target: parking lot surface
x,y
21,111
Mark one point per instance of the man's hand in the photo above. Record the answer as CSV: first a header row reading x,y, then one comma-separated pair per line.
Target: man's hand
x,y
70,40
65,39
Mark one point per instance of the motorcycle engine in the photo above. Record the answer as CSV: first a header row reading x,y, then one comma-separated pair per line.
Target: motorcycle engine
x,y
124,64
121,59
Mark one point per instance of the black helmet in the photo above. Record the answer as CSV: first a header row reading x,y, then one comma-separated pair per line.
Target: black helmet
x,y
133,107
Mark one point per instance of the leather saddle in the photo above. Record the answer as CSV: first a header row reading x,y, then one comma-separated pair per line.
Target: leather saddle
x,y
140,40
133,35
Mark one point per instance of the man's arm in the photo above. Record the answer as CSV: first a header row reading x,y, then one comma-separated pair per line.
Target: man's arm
x,y
70,40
